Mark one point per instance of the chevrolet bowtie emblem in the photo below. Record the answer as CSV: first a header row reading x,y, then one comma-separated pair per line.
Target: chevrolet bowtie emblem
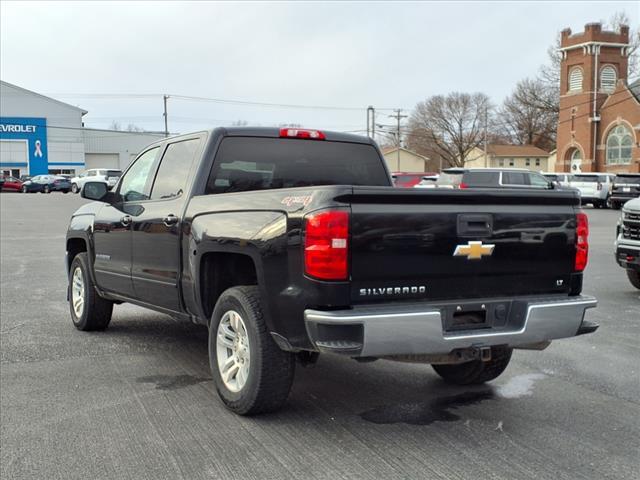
x,y
473,250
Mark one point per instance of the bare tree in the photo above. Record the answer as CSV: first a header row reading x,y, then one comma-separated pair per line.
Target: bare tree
x,y
115,125
134,128
528,116
617,20
450,126
239,123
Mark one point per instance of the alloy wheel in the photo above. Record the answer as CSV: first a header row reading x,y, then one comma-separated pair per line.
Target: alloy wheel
x,y
233,351
77,292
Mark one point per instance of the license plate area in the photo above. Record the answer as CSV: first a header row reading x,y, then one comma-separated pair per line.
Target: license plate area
x,y
475,316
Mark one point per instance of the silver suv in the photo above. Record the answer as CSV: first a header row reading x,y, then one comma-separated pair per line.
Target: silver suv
x,y
105,175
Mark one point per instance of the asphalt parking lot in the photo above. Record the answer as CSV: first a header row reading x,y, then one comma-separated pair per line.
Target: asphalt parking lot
x,y
137,401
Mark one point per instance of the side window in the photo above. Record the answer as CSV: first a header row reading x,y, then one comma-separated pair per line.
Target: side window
x,y
514,178
538,181
135,183
91,173
171,178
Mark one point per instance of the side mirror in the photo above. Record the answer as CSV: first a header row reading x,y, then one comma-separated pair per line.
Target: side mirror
x,y
94,191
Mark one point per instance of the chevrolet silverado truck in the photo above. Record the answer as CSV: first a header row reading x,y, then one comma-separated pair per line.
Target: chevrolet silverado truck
x,y
627,246
289,242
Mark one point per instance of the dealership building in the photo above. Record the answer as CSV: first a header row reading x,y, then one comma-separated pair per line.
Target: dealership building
x,y
40,135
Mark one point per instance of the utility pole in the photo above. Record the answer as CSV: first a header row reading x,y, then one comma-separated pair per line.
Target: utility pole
x,y
486,119
166,119
398,117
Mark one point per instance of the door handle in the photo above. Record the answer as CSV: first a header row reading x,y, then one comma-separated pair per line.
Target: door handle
x,y
170,220
126,220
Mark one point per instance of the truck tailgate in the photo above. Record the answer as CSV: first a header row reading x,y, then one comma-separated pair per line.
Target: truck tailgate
x,y
424,243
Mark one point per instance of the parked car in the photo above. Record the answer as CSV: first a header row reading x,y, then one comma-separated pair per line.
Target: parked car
x,y
291,243
626,186
46,184
628,241
449,178
562,179
428,181
10,183
109,176
407,179
24,178
505,178
595,188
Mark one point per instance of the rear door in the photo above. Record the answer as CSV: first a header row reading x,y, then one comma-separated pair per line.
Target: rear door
x,y
156,227
461,243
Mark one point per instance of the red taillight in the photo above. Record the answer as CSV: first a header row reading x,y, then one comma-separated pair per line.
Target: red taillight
x,y
326,245
463,185
301,133
582,242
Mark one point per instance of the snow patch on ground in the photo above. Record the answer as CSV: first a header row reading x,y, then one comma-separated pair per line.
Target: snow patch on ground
x,y
520,385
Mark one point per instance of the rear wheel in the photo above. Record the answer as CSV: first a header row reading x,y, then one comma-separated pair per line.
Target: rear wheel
x,y
634,277
251,374
24,189
46,189
615,205
476,371
89,311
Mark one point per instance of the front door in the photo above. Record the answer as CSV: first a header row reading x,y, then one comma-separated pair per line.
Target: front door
x,y
156,262
113,223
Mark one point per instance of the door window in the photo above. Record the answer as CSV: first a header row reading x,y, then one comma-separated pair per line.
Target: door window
x,y
538,181
91,173
135,184
171,178
514,178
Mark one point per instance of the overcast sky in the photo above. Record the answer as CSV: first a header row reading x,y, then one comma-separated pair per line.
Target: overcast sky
x,y
390,55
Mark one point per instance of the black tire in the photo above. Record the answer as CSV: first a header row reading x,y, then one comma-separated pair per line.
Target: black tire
x,y
597,205
65,191
634,277
477,371
46,189
616,205
74,188
25,189
96,312
271,370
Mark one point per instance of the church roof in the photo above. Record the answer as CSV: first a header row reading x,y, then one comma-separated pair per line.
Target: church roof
x,y
635,89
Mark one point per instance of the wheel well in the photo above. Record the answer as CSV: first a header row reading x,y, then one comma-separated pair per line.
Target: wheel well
x,y
219,271
74,247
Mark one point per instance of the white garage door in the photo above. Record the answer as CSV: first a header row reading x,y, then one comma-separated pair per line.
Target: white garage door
x,y
14,151
101,160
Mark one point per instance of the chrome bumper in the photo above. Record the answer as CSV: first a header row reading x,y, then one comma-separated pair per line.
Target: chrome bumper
x,y
375,331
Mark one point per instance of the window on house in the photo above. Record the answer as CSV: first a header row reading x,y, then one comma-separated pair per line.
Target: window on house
x,y
537,162
528,162
619,144
575,79
511,162
608,79
501,162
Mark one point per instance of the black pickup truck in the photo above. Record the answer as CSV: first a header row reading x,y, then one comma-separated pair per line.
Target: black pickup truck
x,y
291,242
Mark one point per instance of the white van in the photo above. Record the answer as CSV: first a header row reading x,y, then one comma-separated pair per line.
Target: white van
x,y
595,188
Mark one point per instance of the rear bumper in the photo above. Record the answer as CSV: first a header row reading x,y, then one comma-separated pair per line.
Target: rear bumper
x,y
623,197
376,331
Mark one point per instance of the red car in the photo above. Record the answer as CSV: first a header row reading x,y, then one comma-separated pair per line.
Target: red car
x,y
408,179
11,184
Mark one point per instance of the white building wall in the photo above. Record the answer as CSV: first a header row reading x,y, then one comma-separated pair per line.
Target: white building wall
x,y
126,144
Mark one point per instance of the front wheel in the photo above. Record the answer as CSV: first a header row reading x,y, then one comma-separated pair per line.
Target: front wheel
x,y
89,311
476,371
634,277
74,188
251,374
25,189
46,189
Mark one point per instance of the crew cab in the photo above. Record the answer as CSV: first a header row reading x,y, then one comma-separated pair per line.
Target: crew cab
x,y
627,247
290,242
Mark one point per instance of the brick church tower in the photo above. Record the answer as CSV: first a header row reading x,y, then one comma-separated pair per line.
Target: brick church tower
x,y
593,63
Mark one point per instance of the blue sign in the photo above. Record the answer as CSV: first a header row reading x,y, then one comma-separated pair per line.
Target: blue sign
x,y
34,131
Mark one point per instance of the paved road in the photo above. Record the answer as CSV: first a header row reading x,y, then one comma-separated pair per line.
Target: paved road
x,y
137,401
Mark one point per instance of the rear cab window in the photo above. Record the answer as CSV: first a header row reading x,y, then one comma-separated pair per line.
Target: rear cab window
x,y
631,179
262,163
585,178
